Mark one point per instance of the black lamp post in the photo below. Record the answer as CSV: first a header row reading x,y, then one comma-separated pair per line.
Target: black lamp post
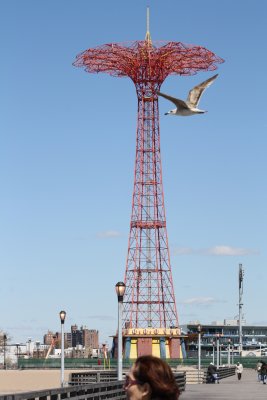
x,y
29,344
5,339
62,316
120,290
17,346
229,352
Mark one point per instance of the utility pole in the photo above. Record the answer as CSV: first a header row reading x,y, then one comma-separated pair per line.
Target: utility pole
x,y
5,339
240,305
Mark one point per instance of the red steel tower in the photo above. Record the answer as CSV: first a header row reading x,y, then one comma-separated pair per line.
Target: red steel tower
x,y
149,300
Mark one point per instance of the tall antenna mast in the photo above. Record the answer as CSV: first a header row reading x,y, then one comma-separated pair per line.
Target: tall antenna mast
x,y
148,37
240,305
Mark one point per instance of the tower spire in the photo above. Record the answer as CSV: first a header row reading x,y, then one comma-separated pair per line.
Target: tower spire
x,y
148,37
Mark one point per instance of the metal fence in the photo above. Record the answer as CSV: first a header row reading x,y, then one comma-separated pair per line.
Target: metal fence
x,y
88,363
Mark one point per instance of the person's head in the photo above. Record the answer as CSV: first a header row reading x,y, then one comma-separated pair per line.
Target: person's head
x,y
151,378
238,363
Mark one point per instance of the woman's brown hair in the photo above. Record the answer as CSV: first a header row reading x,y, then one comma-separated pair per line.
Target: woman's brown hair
x,y
158,374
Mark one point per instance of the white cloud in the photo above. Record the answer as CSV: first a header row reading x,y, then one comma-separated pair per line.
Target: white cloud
x,y
229,251
220,250
181,251
201,301
108,234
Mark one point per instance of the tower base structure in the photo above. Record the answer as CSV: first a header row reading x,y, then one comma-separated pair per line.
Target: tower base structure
x,y
159,342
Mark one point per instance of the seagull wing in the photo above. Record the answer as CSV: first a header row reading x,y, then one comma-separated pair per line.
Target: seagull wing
x,y
179,103
195,93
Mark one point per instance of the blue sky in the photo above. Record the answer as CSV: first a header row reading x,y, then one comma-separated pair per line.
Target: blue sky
x,y
67,163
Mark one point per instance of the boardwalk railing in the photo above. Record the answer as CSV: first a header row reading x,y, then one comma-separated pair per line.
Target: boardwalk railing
x,y
94,391
181,380
97,391
223,372
193,376
89,377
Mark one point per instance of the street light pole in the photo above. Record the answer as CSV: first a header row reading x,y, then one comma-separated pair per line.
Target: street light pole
x,y
199,327
213,352
29,345
229,352
62,316
5,339
120,290
17,346
38,349
240,305
218,350
221,347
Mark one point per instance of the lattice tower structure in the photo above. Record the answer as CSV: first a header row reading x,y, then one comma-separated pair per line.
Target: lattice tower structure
x,y
149,300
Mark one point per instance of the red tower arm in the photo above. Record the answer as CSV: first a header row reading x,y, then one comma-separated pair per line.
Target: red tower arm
x,y
144,60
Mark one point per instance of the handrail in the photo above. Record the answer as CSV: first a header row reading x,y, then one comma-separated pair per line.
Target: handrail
x,y
94,391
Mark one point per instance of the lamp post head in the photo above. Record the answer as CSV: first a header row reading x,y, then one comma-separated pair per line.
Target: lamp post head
x,y
199,328
120,290
5,337
62,316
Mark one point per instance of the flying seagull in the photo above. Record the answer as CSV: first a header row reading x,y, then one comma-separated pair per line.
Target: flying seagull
x,y
189,107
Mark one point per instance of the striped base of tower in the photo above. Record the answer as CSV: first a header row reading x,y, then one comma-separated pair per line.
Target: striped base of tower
x,y
160,342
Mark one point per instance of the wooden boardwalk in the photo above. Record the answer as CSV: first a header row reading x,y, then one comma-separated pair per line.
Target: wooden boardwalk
x,y
229,388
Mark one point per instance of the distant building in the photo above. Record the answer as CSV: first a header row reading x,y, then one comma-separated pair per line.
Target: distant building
x,y
85,337
50,337
68,339
76,336
227,332
90,338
